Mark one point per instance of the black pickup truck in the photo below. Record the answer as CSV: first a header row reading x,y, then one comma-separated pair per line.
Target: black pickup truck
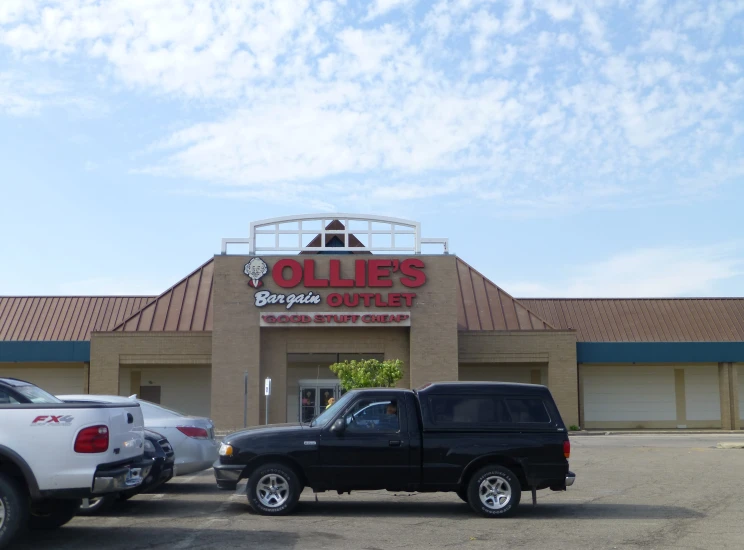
x,y
487,442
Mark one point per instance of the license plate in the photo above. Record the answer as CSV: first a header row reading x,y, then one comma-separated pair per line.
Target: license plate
x,y
134,476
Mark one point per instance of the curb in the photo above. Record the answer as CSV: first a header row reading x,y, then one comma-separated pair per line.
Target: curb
x,y
730,445
680,432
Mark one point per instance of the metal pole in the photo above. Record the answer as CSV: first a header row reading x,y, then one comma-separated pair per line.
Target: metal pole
x,y
267,410
245,399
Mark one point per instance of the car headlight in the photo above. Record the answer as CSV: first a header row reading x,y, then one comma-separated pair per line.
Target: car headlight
x,y
226,450
149,447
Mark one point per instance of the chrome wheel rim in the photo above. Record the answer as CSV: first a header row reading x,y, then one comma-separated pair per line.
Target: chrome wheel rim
x,y
495,492
272,490
2,513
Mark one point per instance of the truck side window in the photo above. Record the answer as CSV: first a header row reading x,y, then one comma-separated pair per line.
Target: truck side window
x,y
6,399
525,410
373,415
467,409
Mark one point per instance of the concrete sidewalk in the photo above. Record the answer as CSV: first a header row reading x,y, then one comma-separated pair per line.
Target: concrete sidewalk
x,y
657,432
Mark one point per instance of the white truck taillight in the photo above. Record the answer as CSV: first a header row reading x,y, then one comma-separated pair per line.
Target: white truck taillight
x,y
94,439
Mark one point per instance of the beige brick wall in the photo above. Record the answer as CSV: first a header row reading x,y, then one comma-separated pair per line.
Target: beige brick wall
x,y
240,344
277,343
556,348
56,378
108,350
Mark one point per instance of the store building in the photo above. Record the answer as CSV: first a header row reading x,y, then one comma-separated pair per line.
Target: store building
x,y
313,290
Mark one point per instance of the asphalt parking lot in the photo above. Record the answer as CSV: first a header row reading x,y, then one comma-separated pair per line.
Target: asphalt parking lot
x,y
648,492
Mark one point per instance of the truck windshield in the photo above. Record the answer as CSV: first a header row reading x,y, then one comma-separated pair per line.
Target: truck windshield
x,y
323,418
36,395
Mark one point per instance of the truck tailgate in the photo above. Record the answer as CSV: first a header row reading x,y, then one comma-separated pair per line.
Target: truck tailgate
x,y
45,434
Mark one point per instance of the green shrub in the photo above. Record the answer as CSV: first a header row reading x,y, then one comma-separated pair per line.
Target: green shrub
x,y
368,373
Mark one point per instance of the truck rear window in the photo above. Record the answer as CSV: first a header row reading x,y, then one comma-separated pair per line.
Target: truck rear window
x,y
525,410
459,410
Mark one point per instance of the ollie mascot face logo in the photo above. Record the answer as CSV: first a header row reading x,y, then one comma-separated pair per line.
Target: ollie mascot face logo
x,y
256,269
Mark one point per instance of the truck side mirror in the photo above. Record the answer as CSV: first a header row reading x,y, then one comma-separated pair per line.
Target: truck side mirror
x,y
338,426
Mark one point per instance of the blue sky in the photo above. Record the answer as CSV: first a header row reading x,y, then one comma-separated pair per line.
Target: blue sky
x,y
565,148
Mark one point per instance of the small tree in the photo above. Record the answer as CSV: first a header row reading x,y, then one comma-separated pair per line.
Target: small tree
x,y
368,373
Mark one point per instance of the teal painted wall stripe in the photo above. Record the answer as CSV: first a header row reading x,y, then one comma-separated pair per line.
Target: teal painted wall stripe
x,y
660,352
44,352
587,352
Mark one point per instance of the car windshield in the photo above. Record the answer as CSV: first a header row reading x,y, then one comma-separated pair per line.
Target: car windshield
x,y
323,418
36,395
155,409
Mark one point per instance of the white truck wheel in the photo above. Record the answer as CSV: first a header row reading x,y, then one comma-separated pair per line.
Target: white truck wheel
x,y
13,509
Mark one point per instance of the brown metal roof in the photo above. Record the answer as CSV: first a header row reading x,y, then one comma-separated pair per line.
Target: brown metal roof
x,y
185,307
482,305
64,318
646,320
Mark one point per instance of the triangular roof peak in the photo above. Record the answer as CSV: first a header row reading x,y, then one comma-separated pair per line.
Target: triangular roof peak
x,y
184,307
332,240
187,306
483,305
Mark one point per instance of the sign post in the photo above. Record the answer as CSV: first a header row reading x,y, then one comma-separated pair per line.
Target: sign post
x,y
267,393
245,399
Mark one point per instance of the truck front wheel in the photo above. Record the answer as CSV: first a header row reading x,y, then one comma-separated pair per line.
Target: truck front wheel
x,y
51,514
494,491
273,490
13,509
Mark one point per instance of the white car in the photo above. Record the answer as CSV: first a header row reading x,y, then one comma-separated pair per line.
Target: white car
x,y
192,437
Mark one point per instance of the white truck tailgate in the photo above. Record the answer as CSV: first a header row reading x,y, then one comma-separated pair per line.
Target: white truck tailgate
x,y
33,429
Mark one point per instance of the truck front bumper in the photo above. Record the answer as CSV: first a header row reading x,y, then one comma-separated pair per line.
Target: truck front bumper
x,y
227,475
120,478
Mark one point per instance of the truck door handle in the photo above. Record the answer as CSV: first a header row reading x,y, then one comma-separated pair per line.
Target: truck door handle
x,y
394,443
130,418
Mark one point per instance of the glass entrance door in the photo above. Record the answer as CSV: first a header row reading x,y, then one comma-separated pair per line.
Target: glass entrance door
x,y
315,396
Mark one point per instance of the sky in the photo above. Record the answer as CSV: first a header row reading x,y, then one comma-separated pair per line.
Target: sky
x,y
566,148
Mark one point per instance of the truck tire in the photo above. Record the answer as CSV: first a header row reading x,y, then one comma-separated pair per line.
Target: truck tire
x,y
273,490
463,494
494,492
52,514
13,509
97,505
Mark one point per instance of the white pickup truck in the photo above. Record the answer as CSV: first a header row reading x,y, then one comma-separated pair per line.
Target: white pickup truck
x,y
53,454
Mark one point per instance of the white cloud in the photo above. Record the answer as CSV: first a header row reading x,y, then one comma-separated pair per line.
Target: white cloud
x,y
20,96
560,11
541,106
383,7
646,272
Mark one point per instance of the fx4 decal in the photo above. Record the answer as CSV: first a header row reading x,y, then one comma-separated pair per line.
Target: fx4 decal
x,y
51,420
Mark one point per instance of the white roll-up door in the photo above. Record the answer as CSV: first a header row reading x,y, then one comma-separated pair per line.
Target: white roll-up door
x,y
55,380
740,376
702,393
628,394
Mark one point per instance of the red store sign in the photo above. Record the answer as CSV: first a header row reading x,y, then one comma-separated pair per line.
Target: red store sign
x,y
375,274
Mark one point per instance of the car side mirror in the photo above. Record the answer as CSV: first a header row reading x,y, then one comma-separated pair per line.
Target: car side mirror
x,y
338,426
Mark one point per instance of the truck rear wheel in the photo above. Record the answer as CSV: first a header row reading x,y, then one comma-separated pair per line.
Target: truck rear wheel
x,y
52,514
494,491
13,509
273,490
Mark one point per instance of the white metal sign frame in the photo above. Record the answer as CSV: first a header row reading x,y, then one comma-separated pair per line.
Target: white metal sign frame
x,y
391,226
